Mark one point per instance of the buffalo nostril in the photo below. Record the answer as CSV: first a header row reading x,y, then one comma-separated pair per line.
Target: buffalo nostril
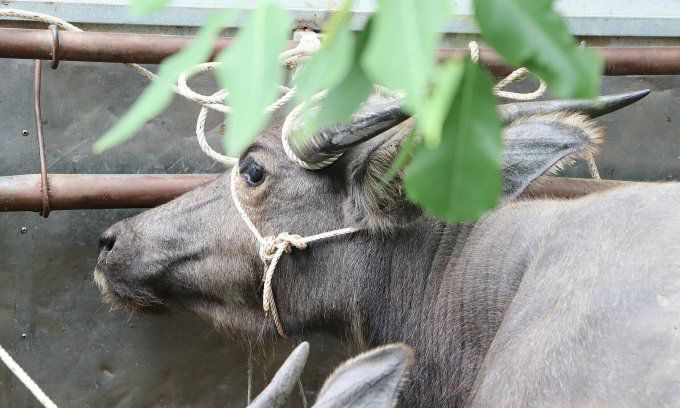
x,y
106,242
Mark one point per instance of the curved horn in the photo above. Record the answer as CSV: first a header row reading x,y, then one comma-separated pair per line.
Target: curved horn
x,y
591,108
372,119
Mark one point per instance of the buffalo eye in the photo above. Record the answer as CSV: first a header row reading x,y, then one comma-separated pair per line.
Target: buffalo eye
x,y
251,172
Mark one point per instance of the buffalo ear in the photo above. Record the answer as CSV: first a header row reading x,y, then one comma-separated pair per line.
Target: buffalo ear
x,y
278,390
541,144
372,379
372,202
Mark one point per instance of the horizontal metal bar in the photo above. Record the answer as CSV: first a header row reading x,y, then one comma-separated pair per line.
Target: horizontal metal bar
x,y
617,60
94,46
92,191
583,17
153,48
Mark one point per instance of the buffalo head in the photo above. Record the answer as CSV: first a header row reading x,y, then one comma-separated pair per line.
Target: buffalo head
x,y
196,253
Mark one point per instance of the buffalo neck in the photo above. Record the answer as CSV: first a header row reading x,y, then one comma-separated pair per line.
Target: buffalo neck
x,y
443,289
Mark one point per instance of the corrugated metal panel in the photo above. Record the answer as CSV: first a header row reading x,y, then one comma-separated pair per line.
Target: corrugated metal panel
x,y
584,17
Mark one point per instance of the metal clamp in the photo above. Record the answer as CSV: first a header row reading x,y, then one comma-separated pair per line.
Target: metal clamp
x,y
56,51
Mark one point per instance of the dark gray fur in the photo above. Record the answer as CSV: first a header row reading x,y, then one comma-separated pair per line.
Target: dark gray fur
x,y
539,303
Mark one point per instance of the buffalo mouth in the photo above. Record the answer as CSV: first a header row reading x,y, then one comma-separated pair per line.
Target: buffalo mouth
x,y
118,295
150,297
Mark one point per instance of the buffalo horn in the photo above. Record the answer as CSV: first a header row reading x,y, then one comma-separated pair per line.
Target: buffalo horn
x,y
591,108
372,119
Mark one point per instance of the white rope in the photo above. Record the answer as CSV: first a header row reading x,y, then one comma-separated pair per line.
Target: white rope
x,y
303,397
515,76
288,94
45,18
26,379
592,166
272,247
308,44
474,51
289,127
249,393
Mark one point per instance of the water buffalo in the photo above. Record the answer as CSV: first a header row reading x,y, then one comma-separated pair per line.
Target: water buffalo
x,y
541,302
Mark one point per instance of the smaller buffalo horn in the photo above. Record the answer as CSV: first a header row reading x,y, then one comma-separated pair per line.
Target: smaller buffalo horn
x,y
591,108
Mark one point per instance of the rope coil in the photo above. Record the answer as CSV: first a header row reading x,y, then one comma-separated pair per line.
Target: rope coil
x,y
308,44
515,76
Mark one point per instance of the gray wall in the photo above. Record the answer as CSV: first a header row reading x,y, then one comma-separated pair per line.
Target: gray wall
x,y
51,317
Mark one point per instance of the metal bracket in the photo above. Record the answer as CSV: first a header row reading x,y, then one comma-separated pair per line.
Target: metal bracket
x,y
56,52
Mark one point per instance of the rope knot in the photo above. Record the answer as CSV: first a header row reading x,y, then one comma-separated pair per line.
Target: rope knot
x,y
291,240
283,242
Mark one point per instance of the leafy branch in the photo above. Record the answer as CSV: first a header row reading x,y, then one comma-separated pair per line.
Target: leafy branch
x,y
455,172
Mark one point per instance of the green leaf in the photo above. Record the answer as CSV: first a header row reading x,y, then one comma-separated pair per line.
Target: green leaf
x,y
332,62
327,67
337,21
140,8
157,96
460,179
529,33
344,99
401,51
251,71
436,106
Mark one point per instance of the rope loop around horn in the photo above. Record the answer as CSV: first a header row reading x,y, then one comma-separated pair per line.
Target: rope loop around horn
x,y
291,126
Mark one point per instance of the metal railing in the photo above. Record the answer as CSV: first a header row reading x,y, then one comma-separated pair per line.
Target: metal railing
x,y
42,193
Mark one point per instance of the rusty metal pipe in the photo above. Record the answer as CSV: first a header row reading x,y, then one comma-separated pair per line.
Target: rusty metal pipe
x,y
618,61
91,191
153,48
95,46
637,60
